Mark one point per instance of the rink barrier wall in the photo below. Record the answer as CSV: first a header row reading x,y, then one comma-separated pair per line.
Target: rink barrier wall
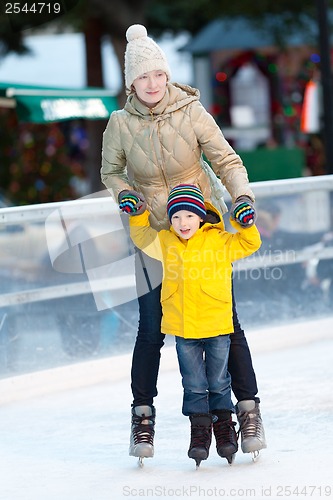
x,y
115,368
103,204
103,201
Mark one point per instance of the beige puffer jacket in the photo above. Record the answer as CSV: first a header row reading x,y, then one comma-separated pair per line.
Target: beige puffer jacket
x,y
153,150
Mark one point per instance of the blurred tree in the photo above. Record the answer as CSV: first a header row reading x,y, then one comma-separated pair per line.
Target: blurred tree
x,y
10,41
110,18
177,15
37,164
114,16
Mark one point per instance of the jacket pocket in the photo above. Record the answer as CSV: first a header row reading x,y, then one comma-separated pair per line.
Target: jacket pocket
x,y
168,289
217,292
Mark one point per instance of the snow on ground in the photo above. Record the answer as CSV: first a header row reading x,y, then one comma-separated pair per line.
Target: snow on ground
x,y
73,444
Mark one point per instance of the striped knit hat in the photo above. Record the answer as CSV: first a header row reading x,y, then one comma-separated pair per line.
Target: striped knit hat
x,y
186,197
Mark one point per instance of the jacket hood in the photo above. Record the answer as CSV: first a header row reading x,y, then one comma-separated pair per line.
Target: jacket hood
x,y
212,214
176,97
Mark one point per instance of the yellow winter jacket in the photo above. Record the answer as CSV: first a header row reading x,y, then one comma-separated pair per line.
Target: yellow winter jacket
x,y
196,289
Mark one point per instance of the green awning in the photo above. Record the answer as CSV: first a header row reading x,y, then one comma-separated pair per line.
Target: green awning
x,y
43,105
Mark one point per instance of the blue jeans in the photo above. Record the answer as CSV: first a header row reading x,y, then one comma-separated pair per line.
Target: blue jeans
x,y
206,381
149,341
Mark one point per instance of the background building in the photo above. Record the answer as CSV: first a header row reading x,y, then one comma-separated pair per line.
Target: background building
x,y
255,90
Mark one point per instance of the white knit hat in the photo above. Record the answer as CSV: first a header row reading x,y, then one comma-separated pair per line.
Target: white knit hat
x,y
142,55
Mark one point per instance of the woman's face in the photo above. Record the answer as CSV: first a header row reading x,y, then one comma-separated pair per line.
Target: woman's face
x,y
150,87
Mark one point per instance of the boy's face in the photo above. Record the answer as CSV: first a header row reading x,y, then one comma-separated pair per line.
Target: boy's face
x,y
185,223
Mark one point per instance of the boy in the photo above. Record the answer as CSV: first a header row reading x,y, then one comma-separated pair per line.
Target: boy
x,y
197,255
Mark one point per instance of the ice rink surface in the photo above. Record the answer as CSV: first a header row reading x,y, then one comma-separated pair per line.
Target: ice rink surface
x,y
65,432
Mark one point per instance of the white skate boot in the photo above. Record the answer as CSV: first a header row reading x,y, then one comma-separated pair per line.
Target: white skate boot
x,y
251,427
142,433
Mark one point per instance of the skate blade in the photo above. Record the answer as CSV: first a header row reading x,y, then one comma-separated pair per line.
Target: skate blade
x,y
231,459
197,463
253,446
255,455
140,462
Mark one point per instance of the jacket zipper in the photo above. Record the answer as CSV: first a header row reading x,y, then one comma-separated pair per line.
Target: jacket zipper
x,y
151,112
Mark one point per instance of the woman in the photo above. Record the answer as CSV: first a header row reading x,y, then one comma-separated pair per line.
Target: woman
x,y
154,143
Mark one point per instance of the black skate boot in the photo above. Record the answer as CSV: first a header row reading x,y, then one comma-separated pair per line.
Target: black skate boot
x,y
201,437
142,432
225,435
251,427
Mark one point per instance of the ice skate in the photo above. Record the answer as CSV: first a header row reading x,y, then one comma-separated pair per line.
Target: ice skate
x,y
225,435
201,437
251,428
142,433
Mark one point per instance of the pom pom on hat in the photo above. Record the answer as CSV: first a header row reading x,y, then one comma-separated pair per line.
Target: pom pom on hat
x,y
142,55
186,197
136,31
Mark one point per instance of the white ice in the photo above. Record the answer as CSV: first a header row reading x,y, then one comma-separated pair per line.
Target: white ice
x,y
65,431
